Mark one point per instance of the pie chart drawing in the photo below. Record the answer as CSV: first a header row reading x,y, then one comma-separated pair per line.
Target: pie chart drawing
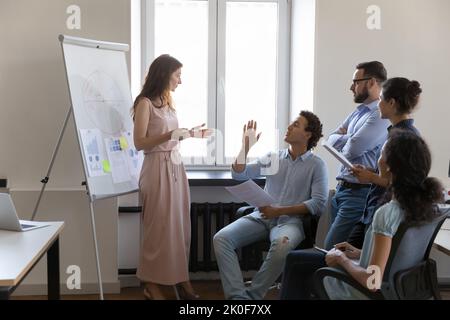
x,y
104,103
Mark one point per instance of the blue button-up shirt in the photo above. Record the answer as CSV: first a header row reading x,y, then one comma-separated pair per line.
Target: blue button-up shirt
x,y
291,182
366,134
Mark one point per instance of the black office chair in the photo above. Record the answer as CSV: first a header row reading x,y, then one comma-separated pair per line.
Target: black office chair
x,y
252,255
409,272
256,250
310,226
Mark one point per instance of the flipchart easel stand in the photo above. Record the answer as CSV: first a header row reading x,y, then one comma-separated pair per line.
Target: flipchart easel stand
x,y
91,204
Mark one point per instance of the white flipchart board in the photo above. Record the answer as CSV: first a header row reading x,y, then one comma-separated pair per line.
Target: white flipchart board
x,y
100,94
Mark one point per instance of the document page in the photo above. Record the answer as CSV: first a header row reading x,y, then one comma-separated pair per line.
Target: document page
x,y
251,193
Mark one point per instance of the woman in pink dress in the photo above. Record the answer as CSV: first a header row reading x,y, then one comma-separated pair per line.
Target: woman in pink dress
x,y
164,189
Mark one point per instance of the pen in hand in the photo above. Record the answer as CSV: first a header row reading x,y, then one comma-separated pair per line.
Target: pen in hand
x,y
344,249
348,250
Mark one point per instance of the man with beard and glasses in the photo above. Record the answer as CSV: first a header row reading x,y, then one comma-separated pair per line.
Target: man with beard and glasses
x,y
359,138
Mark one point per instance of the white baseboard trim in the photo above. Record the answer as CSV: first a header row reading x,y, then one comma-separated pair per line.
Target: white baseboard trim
x,y
86,288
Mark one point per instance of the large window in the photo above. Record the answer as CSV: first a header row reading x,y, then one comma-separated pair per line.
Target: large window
x,y
235,68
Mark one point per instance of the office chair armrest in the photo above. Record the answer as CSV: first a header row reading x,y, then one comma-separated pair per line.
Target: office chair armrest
x,y
243,211
341,275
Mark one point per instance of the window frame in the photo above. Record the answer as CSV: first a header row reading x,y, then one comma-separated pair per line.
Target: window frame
x,y
216,65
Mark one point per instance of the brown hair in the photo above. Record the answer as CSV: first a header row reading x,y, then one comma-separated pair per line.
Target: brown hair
x,y
373,69
157,82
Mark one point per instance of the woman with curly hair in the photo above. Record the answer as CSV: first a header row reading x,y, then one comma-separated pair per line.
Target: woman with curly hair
x,y
405,162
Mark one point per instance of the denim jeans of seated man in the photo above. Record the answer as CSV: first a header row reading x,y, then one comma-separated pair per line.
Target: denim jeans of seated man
x,y
249,229
347,207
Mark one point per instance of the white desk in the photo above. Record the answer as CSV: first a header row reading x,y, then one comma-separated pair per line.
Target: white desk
x,y
21,251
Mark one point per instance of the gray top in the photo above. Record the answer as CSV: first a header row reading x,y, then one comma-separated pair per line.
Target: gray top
x,y
385,222
291,182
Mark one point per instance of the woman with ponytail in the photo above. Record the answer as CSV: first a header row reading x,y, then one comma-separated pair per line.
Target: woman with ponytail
x,y
405,162
398,99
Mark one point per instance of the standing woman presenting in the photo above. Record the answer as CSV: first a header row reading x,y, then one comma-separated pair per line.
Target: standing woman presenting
x,y
164,189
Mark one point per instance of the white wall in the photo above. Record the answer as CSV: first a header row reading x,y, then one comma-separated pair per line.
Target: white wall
x,y
413,42
303,28
33,92
34,101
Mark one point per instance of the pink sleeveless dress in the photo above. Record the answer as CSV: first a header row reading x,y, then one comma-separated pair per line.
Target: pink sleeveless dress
x,y
165,198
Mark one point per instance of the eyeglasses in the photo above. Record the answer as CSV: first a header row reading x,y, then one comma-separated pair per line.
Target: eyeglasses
x,y
355,81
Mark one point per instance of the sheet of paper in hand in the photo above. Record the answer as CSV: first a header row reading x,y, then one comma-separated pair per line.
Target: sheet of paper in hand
x,y
251,193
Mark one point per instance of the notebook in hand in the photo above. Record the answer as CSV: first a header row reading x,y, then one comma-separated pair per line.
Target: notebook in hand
x,y
339,156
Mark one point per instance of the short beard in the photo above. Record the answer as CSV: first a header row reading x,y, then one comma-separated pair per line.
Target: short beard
x,y
360,98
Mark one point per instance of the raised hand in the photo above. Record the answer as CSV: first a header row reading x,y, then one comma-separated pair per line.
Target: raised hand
x,y
249,136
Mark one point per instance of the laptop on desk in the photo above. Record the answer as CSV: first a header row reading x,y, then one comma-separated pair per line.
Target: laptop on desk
x,y
9,219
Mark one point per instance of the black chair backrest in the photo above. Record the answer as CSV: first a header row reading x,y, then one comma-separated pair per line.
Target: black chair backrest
x,y
410,247
310,224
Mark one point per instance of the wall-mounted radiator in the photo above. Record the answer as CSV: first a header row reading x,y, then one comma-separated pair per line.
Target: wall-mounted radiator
x,y
206,220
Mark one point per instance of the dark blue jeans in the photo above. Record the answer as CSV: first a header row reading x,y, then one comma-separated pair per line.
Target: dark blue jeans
x,y
298,274
347,207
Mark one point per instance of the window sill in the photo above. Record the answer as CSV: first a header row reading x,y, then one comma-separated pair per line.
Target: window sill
x,y
203,178
215,178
